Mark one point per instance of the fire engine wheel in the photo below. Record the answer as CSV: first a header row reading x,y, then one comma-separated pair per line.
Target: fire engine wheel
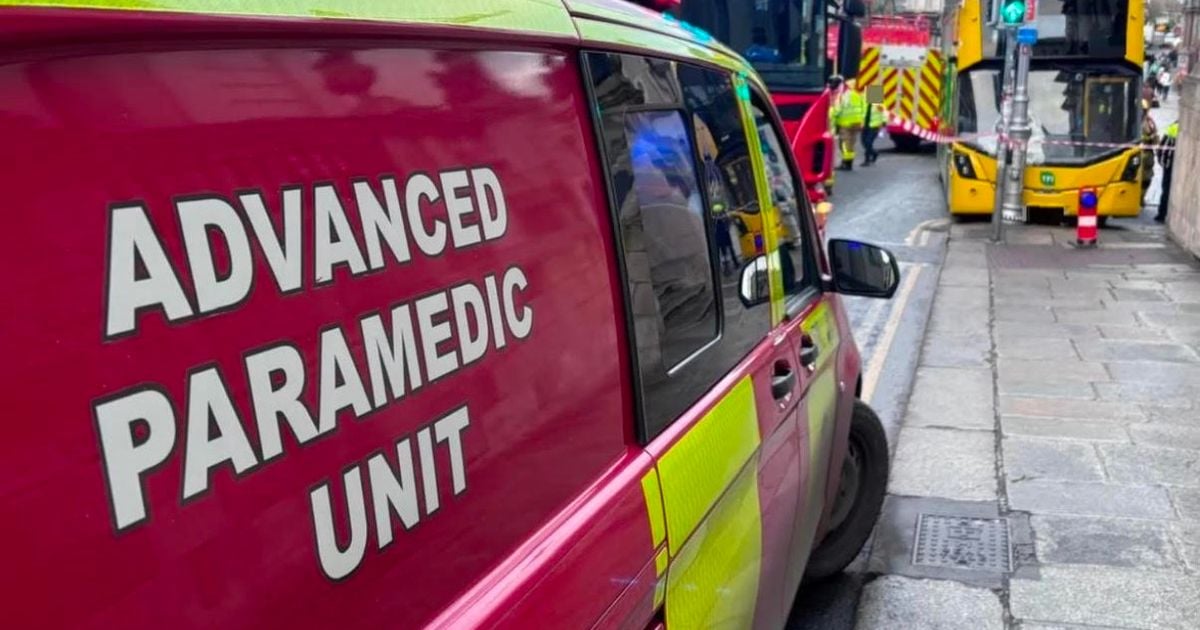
x,y
906,143
859,499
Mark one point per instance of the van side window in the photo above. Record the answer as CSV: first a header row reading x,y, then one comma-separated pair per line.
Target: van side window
x,y
791,204
678,168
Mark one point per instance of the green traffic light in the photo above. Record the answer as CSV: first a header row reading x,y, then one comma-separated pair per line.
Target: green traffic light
x,y
1013,12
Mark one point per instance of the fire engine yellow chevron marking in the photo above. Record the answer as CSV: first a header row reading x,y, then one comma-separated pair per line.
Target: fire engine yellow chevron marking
x,y
868,73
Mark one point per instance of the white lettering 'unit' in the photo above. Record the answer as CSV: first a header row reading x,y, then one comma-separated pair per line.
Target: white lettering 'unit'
x,y
392,490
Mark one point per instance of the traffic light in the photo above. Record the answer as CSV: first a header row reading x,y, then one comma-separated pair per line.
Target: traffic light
x,y
1012,12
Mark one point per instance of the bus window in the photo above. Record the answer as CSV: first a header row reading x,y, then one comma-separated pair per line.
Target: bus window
x,y
783,39
1086,28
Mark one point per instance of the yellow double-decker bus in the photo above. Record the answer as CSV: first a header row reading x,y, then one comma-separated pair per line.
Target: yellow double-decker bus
x,y
1084,106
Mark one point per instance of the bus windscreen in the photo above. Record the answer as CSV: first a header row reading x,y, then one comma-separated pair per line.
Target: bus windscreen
x,y
783,39
1074,111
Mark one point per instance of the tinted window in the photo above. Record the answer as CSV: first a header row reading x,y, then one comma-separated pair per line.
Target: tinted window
x,y
685,210
791,203
671,281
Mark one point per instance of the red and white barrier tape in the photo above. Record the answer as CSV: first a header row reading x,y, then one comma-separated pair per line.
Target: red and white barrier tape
x,y
914,129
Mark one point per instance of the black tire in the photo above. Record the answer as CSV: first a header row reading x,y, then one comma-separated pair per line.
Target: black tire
x,y
1102,222
906,143
849,532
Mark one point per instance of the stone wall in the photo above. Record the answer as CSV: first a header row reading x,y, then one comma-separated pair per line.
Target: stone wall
x,y
1183,217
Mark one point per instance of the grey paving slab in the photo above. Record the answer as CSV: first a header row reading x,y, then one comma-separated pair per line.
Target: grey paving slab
x,y
1153,372
943,349
952,397
1037,625
1052,330
964,276
1107,596
894,601
1166,435
1024,369
1038,458
961,322
1102,281
1171,415
1146,464
1023,313
1036,348
962,297
1138,295
1047,388
1172,320
1066,408
1187,538
1187,503
1064,429
947,463
1074,315
1151,285
1136,333
1184,334
1121,350
1180,395
1118,542
1075,301
1089,499
966,259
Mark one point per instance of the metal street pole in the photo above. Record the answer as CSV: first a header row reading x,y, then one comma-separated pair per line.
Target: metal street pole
x,y
1002,147
1014,204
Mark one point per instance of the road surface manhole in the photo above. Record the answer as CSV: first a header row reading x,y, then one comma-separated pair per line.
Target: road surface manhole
x,y
956,542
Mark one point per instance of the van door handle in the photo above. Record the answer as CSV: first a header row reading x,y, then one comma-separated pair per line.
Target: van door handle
x,y
808,352
784,381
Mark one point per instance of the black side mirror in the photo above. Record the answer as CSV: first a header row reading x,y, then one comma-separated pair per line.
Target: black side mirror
x,y
855,8
863,269
754,286
849,49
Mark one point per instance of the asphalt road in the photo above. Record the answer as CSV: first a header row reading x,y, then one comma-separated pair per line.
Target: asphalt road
x,y
897,203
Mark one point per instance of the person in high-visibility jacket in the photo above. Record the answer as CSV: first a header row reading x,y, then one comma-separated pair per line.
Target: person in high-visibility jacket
x,y
849,114
1166,158
1149,139
876,117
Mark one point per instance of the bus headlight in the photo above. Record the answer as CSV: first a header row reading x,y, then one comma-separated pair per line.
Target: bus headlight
x,y
962,164
1132,166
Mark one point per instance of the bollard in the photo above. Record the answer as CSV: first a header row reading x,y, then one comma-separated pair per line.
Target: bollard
x,y
1085,226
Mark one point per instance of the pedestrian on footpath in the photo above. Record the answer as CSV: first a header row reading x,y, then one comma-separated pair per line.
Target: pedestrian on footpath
x,y
1164,83
1166,157
876,117
849,112
1149,140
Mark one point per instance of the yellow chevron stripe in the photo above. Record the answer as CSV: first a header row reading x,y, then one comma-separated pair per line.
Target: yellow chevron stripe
x,y
908,92
931,78
891,89
934,61
926,112
869,68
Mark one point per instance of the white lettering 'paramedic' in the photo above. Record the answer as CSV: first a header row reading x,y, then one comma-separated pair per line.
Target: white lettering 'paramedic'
x,y
406,347
395,222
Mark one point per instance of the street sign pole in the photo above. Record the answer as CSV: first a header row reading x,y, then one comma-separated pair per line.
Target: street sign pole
x,y
1013,206
1003,149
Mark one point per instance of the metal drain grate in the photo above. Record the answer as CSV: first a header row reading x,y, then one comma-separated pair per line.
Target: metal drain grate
x,y
956,542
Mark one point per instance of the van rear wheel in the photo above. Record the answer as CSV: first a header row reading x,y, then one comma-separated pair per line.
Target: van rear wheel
x,y
859,499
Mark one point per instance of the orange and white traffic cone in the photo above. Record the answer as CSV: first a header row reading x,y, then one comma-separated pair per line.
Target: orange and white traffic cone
x,y
1086,232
